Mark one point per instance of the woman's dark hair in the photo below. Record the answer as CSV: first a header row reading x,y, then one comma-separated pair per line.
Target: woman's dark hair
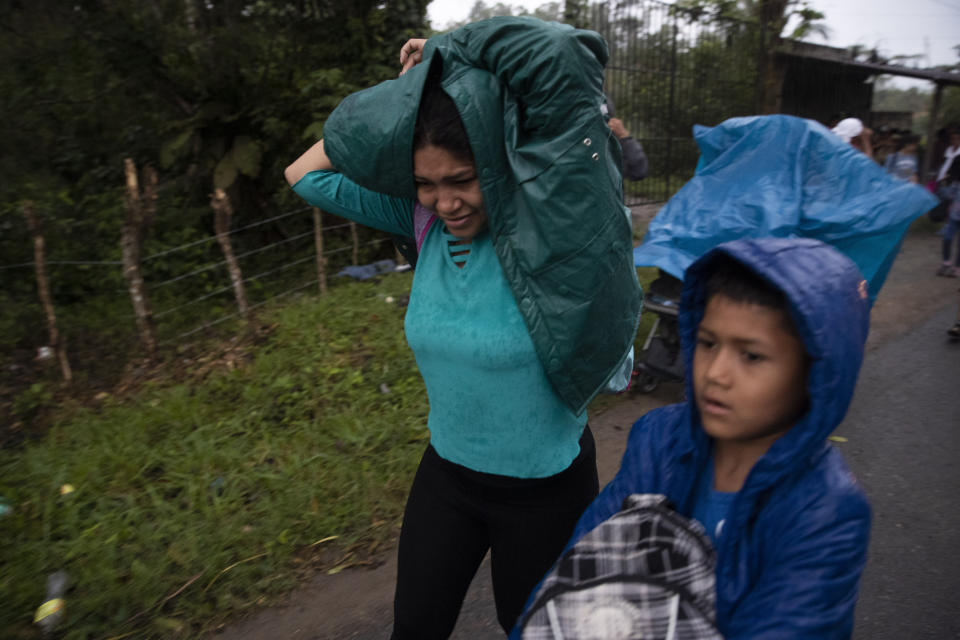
x,y
438,121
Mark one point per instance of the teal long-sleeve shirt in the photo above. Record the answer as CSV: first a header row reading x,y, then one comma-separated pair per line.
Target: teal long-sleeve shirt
x,y
492,408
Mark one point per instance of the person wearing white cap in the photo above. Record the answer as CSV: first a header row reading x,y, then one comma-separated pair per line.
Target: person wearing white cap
x,y
951,152
852,130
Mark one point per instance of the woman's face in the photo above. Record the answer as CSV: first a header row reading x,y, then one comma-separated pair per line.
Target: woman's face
x,y
448,186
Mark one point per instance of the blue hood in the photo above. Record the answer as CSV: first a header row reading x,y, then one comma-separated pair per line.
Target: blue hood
x,y
784,176
829,307
794,542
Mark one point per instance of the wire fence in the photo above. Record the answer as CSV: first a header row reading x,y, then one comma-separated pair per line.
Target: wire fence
x,y
201,298
107,263
306,255
212,238
668,70
236,314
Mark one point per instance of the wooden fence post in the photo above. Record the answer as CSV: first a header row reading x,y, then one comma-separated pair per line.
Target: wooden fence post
x,y
57,342
140,208
222,214
318,241
356,242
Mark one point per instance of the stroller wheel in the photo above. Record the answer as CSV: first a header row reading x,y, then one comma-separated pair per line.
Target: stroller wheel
x,y
647,383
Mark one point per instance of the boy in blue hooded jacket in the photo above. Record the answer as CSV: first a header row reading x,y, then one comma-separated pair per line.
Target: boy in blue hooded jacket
x,y
773,332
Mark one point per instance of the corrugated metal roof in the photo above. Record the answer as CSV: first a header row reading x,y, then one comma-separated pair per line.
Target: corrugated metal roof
x,y
843,57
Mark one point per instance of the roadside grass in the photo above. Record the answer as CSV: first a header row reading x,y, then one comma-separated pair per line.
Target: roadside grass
x,y
195,501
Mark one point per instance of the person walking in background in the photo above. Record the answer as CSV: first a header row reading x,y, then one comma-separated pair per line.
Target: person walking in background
x,y
635,163
853,131
948,189
951,152
885,142
902,163
524,302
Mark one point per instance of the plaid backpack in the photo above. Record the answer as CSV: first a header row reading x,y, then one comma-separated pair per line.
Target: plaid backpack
x,y
644,573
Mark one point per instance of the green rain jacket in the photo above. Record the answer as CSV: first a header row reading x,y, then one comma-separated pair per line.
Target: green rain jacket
x,y
529,94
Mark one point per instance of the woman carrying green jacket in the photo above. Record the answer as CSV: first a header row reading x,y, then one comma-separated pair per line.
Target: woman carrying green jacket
x,y
494,154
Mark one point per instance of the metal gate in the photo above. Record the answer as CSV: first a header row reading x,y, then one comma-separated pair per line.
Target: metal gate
x,y
671,69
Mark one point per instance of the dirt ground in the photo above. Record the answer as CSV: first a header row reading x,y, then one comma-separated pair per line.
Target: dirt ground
x,y
358,603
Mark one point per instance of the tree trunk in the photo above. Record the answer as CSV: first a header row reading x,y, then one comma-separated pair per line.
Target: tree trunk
x,y
356,242
140,208
575,13
773,72
57,342
929,162
222,214
318,241
190,13
772,21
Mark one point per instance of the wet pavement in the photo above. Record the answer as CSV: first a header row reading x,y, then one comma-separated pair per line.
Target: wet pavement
x,y
904,446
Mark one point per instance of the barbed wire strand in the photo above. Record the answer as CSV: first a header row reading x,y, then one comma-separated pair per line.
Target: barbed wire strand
x,y
118,263
365,244
231,232
286,266
237,313
230,286
112,263
223,262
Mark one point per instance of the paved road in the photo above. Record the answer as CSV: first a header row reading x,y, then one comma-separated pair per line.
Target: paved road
x,y
903,433
904,446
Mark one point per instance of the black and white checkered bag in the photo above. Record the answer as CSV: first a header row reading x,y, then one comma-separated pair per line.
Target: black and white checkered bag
x,y
644,573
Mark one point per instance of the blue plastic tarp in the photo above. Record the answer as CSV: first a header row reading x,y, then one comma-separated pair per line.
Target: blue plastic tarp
x,y
783,176
367,271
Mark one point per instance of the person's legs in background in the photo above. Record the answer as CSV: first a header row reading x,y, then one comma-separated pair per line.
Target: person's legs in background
x,y
950,268
954,331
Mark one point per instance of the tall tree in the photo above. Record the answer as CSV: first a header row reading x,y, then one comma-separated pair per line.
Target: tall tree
x,y
772,18
213,94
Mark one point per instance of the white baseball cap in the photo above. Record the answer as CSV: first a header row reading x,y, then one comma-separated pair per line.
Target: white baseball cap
x,y
848,128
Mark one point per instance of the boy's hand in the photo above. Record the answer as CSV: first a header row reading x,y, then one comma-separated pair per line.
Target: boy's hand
x,y
411,54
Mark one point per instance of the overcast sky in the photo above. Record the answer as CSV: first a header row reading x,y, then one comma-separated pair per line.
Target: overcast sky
x,y
895,27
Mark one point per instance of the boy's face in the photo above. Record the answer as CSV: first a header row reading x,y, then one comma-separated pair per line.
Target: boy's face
x,y
749,372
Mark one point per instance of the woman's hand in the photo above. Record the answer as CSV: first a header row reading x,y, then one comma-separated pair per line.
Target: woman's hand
x,y
411,54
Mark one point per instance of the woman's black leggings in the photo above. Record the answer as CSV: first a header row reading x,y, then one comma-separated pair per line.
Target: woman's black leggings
x,y
454,515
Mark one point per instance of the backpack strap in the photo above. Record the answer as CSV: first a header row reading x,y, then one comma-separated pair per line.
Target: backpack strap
x,y
423,218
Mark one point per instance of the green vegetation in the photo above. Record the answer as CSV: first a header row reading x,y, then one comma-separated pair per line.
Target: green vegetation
x,y
917,101
210,95
250,465
219,488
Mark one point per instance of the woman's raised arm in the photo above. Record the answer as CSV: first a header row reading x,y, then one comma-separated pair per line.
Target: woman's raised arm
x,y
313,159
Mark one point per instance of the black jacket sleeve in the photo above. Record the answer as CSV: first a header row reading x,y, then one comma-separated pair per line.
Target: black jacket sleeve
x,y
634,159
